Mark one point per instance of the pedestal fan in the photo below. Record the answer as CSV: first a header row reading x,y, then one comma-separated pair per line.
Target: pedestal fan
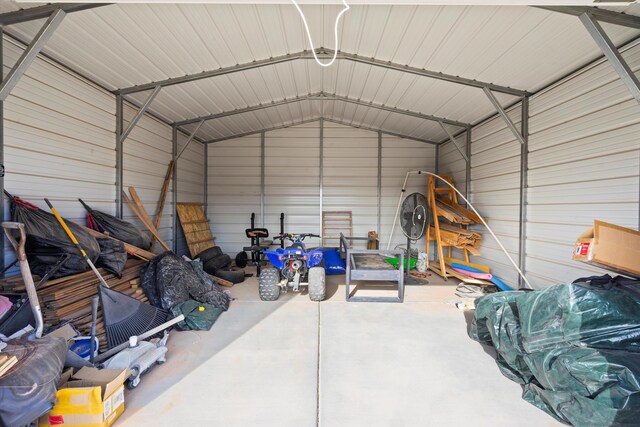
x,y
414,220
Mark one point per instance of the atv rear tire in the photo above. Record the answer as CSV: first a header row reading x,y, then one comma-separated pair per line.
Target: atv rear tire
x,y
268,284
317,288
232,274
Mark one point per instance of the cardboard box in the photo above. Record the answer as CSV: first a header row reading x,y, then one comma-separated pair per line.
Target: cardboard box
x,y
89,398
611,247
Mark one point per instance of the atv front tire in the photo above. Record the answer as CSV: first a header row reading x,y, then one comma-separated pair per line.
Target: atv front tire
x,y
268,284
317,288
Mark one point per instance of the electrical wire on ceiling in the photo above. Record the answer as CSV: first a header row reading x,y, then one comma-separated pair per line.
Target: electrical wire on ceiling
x,y
335,32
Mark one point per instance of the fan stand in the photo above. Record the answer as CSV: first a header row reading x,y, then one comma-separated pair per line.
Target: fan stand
x,y
408,278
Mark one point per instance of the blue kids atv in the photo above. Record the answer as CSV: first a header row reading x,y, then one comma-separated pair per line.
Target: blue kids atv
x,y
293,265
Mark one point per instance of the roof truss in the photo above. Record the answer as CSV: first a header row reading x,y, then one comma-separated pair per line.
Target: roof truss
x,y
41,12
322,53
315,119
601,15
321,96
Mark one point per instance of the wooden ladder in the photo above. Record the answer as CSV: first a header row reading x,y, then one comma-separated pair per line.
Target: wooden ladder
x,y
336,222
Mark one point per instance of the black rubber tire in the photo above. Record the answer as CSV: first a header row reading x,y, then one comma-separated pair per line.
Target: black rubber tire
x,y
232,274
268,288
242,259
217,263
209,253
317,288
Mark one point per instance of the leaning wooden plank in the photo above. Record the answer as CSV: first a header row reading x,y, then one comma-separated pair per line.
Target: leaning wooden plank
x,y
133,250
163,197
144,218
222,281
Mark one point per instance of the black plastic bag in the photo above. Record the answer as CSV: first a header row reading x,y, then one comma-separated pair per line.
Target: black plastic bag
x,y
169,280
28,390
113,256
47,241
116,228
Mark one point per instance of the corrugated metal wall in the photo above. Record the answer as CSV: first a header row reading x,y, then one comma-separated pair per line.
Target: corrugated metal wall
x,y
190,181
234,190
584,164
452,163
292,177
59,140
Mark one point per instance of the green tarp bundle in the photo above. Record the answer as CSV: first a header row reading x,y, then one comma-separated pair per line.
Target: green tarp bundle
x,y
575,348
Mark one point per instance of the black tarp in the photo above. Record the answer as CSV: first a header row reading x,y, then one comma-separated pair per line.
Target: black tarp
x,y
169,280
116,228
47,241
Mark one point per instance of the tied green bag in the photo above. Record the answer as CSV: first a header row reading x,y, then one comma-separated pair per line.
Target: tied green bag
x,y
198,316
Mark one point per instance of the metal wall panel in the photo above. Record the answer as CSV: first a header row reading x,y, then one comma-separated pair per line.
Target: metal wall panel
x,y
59,140
495,184
400,156
190,181
146,154
452,163
292,178
584,164
233,190
351,177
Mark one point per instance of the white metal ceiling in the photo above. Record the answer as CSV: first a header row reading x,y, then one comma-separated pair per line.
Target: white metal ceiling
x,y
125,45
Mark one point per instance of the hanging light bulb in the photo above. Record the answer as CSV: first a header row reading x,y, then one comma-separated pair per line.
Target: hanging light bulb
x,y
335,31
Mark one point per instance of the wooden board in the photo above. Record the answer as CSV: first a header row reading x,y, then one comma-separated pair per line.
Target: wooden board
x,y
195,227
163,197
137,208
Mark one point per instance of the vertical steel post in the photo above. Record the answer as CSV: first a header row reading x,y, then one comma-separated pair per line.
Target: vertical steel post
x,y
2,238
467,188
206,180
524,165
321,178
174,189
379,183
262,176
119,155
438,159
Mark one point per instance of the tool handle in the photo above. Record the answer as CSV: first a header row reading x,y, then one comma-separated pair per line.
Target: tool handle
x,y
87,207
94,319
18,246
75,242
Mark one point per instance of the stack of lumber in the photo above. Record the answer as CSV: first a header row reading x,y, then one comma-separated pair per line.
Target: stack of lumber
x,y
6,363
456,213
458,237
68,299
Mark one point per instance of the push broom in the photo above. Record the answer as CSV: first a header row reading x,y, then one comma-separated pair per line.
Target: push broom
x,y
123,315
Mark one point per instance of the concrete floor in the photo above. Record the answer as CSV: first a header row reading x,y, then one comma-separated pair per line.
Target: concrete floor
x,y
297,363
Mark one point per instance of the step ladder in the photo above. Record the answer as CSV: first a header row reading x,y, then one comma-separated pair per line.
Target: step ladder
x,y
334,223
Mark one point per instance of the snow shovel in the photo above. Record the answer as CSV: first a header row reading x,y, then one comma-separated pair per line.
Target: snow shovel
x,y
123,315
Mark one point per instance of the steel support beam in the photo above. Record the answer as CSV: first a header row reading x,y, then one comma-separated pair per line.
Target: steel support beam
x,y
455,143
262,175
467,188
206,180
524,166
601,15
191,136
321,178
379,184
323,52
140,113
174,189
321,96
119,155
30,53
41,12
612,54
295,123
504,115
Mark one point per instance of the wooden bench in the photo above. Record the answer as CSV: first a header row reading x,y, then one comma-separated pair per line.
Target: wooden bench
x,y
370,265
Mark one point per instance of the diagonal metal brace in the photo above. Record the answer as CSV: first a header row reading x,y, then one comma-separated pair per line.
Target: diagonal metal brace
x,y
611,52
193,135
140,113
30,53
455,143
504,115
